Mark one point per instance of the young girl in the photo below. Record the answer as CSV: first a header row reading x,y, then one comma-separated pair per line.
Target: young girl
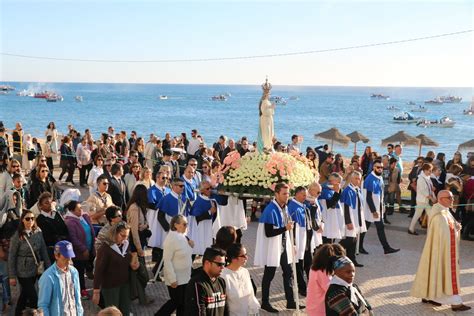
x,y
343,297
319,277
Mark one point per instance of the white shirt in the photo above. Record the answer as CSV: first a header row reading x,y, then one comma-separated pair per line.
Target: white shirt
x,y
177,260
240,296
193,145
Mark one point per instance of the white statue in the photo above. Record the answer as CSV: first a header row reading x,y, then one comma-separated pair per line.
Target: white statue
x,y
266,131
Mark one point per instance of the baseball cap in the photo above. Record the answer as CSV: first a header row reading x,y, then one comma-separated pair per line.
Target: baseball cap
x,y
64,247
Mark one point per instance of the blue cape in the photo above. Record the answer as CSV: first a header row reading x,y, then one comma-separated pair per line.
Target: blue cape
x,y
200,206
271,215
373,184
349,197
155,195
169,205
327,193
297,213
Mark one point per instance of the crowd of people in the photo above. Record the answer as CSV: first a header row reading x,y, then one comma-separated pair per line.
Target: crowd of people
x,y
162,194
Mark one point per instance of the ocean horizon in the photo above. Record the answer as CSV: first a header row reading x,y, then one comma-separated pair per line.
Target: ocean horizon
x,y
136,106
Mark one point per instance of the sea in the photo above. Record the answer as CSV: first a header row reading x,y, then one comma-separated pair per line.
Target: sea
x,y
309,110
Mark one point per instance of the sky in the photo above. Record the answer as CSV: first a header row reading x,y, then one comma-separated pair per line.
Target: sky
x,y
163,30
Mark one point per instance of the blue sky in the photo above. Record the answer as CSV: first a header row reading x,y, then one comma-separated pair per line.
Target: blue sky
x,y
153,30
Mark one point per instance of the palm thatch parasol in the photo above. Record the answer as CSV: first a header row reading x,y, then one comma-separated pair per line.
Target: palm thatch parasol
x,y
356,137
334,135
469,145
425,141
402,138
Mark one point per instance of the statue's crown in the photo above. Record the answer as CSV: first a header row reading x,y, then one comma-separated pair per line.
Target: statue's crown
x,y
267,86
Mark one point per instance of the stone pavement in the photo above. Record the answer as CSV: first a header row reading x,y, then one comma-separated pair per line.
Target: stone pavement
x,y
385,280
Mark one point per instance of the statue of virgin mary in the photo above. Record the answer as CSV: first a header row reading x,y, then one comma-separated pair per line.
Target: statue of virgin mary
x,y
266,129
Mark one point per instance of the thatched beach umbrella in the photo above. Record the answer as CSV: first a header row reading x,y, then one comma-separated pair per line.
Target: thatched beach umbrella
x,y
425,141
334,135
469,145
356,137
402,138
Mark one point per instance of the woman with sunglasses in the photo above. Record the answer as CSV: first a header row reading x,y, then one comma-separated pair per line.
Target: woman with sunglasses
x,y
39,184
177,261
100,201
240,295
27,250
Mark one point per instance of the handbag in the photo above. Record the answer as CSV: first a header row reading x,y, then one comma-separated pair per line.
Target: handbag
x,y
39,264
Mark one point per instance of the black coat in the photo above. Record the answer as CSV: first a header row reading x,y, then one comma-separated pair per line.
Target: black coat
x,y
118,191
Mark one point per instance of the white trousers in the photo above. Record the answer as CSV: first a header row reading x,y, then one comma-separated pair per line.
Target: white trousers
x,y
419,210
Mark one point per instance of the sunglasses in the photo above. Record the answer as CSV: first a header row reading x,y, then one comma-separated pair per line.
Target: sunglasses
x,y
29,219
378,167
206,189
193,164
44,171
107,165
117,215
164,178
180,185
220,264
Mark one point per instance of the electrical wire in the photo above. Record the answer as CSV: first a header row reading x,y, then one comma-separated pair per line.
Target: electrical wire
x,y
240,57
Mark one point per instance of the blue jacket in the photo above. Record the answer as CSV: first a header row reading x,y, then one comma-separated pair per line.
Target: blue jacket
x,y
50,296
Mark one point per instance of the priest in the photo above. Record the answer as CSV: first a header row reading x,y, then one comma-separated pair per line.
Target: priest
x,y
437,278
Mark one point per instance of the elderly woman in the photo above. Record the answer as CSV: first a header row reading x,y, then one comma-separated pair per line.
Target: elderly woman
x,y
100,201
81,235
240,295
112,269
27,250
114,215
177,261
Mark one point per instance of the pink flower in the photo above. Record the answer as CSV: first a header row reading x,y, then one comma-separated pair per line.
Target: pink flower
x,y
272,187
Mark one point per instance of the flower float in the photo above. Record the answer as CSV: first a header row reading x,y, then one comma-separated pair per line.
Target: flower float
x,y
257,173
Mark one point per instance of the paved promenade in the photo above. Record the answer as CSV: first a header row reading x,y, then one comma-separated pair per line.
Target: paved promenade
x,y
385,280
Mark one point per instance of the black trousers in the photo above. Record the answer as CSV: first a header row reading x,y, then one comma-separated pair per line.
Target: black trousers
x,y
70,172
156,256
80,266
308,261
380,233
327,240
175,303
300,276
412,202
349,243
84,173
269,274
28,296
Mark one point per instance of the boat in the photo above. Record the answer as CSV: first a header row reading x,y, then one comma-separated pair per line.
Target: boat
x,y
54,98
375,96
469,110
405,117
78,98
163,97
294,98
6,88
411,103
442,122
219,97
434,101
450,99
24,93
42,95
278,100
2,92
392,108
420,108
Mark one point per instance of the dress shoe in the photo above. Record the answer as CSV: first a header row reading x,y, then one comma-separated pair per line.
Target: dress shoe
x,y
412,233
292,305
357,264
269,308
302,293
363,251
430,302
460,308
391,250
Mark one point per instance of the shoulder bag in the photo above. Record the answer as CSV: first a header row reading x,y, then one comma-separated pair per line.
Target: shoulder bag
x,y
39,264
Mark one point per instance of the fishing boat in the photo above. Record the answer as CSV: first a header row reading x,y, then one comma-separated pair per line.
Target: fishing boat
x,y
375,96
450,99
54,98
163,97
42,95
420,108
406,118
434,101
392,108
442,122
6,88
219,97
78,98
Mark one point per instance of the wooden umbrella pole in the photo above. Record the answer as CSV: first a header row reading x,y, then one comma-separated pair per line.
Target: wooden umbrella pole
x,y
419,150
355,148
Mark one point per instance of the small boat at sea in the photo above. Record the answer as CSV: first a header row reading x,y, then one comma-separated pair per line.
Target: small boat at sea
x,y
434,101
54,98
42,95
78,98
163,97
4,92
278,100
25,93
392,108
406,118
219,97
294,98
375,96
420,108
411,103
6,88
469,110
450,99
442,122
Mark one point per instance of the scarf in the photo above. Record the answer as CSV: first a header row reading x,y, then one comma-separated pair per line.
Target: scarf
x,y
121,251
